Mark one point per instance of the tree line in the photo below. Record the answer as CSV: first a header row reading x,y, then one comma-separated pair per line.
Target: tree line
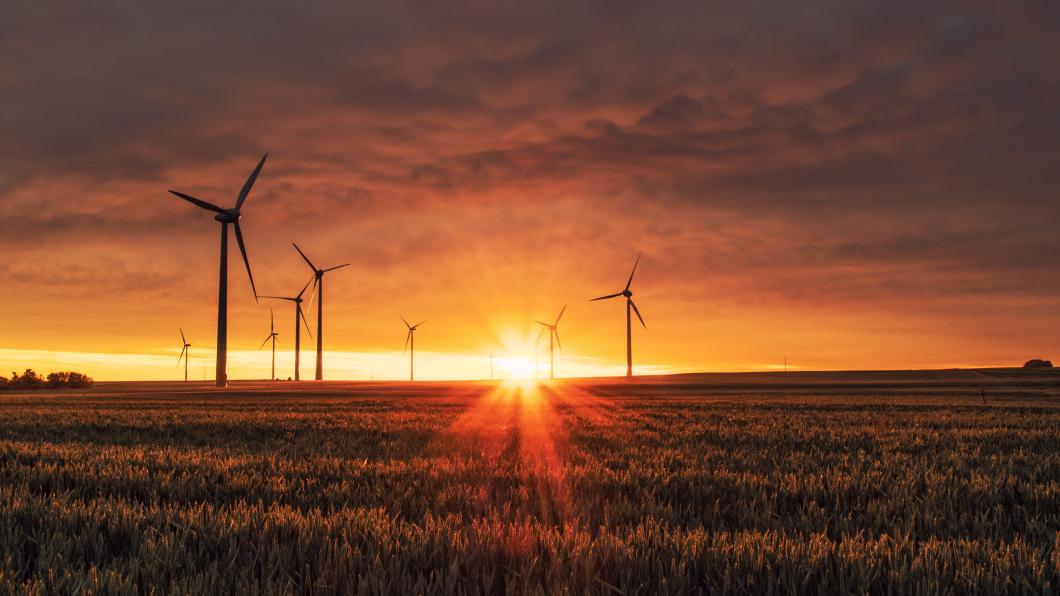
x,y
55,380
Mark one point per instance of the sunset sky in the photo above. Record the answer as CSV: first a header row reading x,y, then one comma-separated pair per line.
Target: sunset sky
x,y
849,184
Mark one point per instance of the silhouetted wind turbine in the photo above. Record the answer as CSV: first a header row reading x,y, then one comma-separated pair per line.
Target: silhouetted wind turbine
x,y
226,217
410,342
184,353
318,287
298,314
629,304
553,331
272,335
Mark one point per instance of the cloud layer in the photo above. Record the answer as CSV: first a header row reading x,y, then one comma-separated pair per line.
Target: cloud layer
x,y
851,181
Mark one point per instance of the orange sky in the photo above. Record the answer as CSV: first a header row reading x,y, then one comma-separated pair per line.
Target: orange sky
x,y
859,187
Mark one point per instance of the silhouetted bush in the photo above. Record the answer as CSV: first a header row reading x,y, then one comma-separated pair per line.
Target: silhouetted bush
x,y
55,380
1037,363
27,380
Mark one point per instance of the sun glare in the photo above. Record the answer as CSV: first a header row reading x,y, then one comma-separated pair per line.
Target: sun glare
x,y
517,368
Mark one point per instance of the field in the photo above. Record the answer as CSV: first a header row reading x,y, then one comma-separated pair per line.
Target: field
x,y
932,482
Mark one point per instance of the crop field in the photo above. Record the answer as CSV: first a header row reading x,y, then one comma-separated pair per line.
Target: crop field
x,y
943,482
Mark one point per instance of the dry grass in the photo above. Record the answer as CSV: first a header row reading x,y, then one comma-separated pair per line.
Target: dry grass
x,y
712,484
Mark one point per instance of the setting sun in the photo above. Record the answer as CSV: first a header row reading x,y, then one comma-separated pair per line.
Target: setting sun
x,y
519,367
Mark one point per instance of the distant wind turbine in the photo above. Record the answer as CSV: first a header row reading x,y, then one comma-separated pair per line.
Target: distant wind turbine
x,y
184,353
272,335
226,217
553,332
299,317
410,342
318,288
629,304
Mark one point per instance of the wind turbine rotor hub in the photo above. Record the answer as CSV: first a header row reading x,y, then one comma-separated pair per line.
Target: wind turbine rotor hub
x,y
229,216
627,293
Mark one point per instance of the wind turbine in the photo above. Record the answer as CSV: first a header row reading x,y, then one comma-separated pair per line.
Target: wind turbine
x,y
298,314
272,335
553,331
629,304
410,342
318,288
226,217
184,353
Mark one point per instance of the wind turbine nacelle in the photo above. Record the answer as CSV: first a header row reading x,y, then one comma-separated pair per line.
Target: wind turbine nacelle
x,y
627,293
229,216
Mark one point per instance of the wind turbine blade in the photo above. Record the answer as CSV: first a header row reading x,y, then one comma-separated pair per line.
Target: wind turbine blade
x,y
311,265
404,321
198,202
634,271
182,351
246,261
540,334
249,183
556,332
182,339
265,342
606,297
638,314
542,323
420,323
272,321
279,298
313,294
307,330
306,286
560,316
336,267
407,337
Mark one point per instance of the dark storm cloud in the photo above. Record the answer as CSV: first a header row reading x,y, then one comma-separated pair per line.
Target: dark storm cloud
x,y
931,125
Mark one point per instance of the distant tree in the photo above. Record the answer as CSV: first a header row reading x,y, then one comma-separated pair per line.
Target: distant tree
x,y
30,380
1037,363
57,379
76,380
4,383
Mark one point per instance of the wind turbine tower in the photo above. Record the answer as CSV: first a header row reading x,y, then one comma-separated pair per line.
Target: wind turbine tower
x,y
629,328
272,335
227,217
553,332
184,353
299,317
410,345
318,288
